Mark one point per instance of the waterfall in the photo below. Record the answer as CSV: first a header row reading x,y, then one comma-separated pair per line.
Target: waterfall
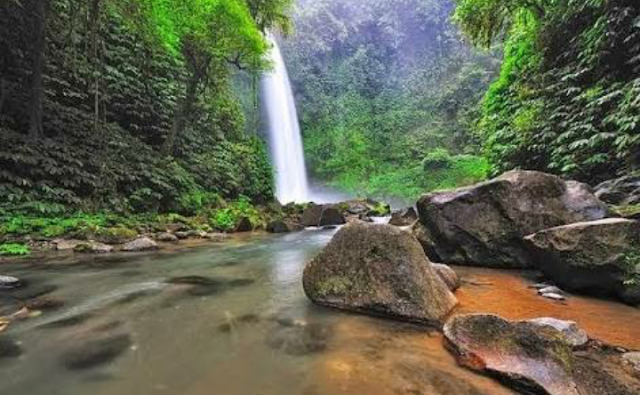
x,y
285,141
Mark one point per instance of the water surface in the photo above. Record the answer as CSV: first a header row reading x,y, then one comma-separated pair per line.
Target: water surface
x,y
232,319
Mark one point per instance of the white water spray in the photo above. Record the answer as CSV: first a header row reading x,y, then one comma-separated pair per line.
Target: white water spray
x,y
285,140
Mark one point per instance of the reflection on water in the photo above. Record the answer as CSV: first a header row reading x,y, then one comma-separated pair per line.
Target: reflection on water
x,y
232,319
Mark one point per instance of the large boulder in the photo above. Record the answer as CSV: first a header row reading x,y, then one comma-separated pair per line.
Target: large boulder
x,y
485,224
378,270
536,358
597,257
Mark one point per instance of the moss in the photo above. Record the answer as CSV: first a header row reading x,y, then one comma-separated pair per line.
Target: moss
x,y
627,211
334,285
630,262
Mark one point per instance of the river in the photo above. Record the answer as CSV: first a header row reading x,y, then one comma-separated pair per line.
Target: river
x,y
232,319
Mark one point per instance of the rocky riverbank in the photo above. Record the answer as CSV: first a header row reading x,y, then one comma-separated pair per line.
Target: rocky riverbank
x,y
524,220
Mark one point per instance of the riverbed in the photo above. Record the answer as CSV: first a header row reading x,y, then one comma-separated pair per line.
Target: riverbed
x,y
232,319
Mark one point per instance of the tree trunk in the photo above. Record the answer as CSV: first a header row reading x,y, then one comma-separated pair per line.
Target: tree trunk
x,y
183,111
95,63
37,89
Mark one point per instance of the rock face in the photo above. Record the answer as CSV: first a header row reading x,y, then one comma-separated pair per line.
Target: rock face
x,y
404,217
378,270
332,216
534,358
141,244
597,257
485,224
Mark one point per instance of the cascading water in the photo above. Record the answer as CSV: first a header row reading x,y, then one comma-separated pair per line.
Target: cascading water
x,y
283,128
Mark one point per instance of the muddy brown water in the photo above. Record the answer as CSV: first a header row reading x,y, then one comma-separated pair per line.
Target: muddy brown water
x,y
232,319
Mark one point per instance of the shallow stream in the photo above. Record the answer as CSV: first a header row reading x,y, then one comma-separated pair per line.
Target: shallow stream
x,y
232,319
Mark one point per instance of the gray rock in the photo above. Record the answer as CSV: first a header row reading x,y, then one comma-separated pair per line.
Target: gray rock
x,y
575,336
284,226
215,236
66,245
484,224
141,244
533,359
182,235
167,237
331,216
197,234
311,215
378,270
93,247
597,257
620,191
9,282
550,290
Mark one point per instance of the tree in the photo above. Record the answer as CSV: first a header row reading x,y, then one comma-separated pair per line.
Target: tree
x,y
484,20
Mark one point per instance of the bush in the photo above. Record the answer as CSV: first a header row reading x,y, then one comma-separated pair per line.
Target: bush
x,y
14,249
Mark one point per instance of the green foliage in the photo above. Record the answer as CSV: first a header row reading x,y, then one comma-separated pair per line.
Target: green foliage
x,y
14,249
382,85
225,219
568,97
109,107
631,261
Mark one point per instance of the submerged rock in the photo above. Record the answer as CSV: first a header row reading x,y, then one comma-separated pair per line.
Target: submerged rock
x,y
9,348
141,244
597,257
96,352
299,338
378,270
404,217
485,224
534,358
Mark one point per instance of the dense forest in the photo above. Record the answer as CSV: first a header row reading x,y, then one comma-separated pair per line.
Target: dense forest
x,y
395,101
388,94
128,105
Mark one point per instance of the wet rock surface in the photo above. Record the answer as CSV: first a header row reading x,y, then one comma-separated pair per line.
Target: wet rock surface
x,y
485,224
597,257
535,358
378,270
284,226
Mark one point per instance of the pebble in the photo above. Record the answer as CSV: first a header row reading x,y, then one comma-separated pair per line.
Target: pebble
x,y
553,296
550,290
9,282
